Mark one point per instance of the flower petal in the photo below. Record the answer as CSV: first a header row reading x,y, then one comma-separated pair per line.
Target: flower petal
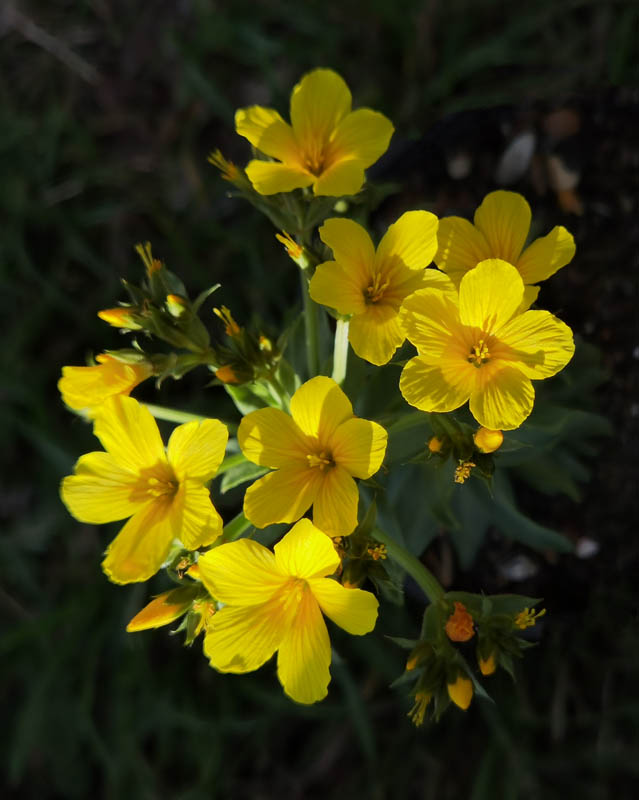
x,y
100,491
241,573
269,177
241,639
359,446
335,507
266,130
489,295
318,103
530,295
354,610
341,178
363,135
504,219
319,406
162,610
130,434
334,286
140,548
270,437
87,387
306,552
460,246
546,255
504,401
281,496
352,247
376,334
538,343
411,241
430,320
196,449
196,520
436,387
305,654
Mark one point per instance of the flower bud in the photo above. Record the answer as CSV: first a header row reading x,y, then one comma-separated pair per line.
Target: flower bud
x,y
487,441
459,626
435,444
460,691
120,317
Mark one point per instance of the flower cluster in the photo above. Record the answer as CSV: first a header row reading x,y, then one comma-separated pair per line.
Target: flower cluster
x,y
303,454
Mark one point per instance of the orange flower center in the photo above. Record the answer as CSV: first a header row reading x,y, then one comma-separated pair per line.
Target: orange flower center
x,y
479,354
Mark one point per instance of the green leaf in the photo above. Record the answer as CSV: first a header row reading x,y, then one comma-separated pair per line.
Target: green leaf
x,y
240,474
512,523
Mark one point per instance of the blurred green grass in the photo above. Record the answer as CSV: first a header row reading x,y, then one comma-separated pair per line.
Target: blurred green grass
x,y
93,161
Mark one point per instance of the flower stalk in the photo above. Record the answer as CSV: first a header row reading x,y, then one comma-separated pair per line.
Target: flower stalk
x,y
420,574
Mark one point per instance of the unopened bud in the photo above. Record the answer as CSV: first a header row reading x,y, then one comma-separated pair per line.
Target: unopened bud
x,y
294,250
459,626
176,305
461,692
487,441
119,318
487,665
226,375
435,444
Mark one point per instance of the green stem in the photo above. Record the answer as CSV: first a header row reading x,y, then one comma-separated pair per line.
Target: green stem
x,y
284,397
235,528
450,425
424,577
311,326
175,415
172,414
340,351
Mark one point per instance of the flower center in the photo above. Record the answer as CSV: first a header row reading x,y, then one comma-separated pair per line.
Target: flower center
x,y
158,487
479,354
322,460
375,291
315,158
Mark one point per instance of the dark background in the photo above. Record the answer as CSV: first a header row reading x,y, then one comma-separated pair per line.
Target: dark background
x,y
107,112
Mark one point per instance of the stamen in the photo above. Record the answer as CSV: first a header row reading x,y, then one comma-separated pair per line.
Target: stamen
x,y
377,552
322,460
418,711
375,291
462,472
155,487
528,618
479,354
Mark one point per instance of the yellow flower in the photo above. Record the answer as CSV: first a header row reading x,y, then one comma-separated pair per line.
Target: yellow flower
x,y
502,224
86,388
327,146
163,492
274,601
315,455
371,286
480,347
